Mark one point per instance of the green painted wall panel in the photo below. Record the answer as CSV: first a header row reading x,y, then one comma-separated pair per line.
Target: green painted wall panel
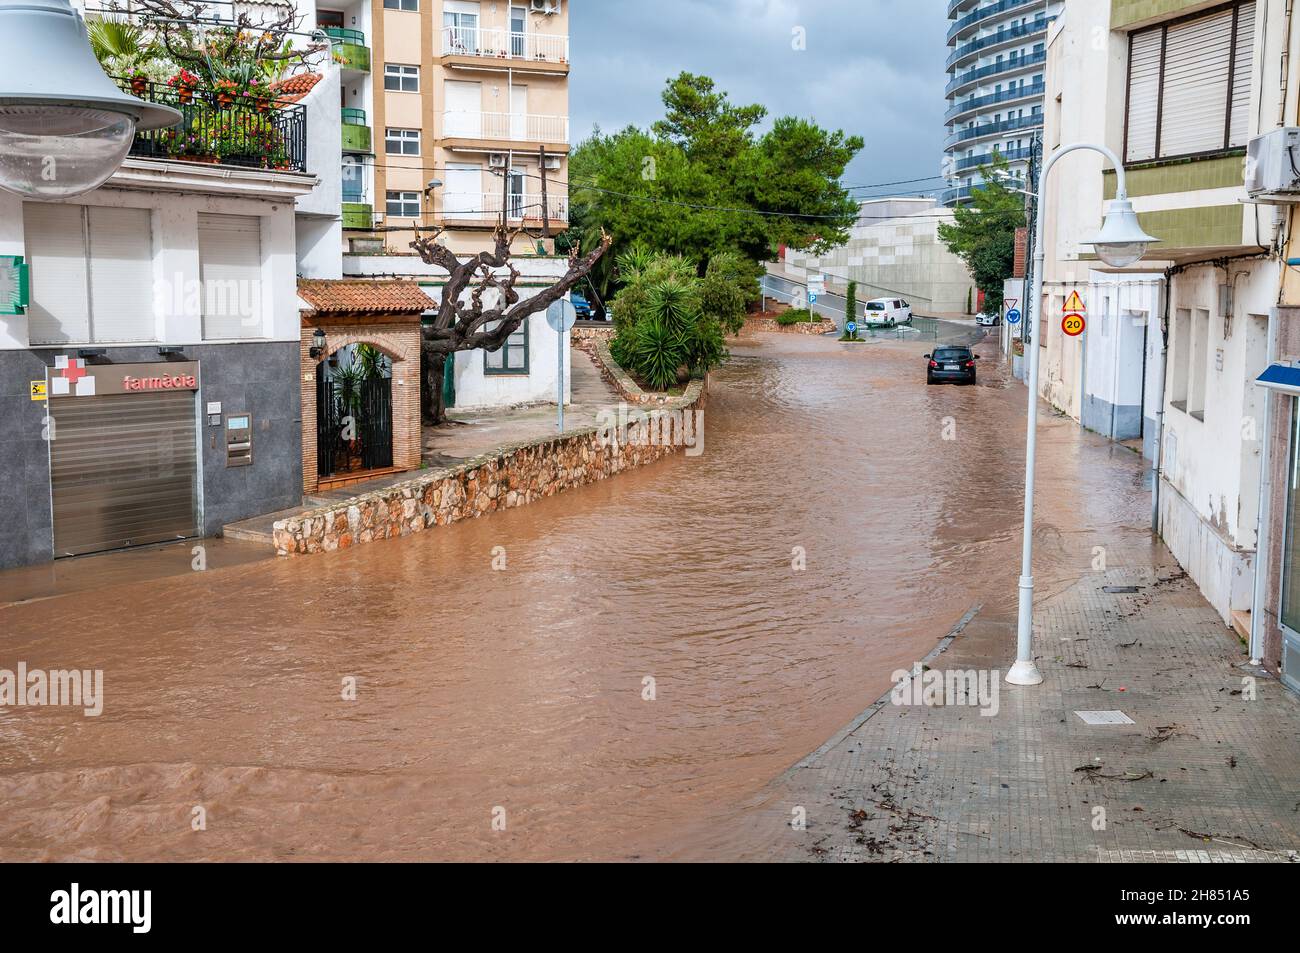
x,y
1128,13
1212,226
358,215
356,138
1182,175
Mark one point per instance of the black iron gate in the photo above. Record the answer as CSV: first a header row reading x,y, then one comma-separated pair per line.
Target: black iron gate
x,y
354,430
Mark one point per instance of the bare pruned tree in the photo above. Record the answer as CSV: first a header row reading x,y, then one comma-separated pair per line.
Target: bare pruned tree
x,y
194,38
463,325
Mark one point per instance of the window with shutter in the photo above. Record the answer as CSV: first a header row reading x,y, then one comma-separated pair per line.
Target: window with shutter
x,y
1189,84
230,268
54,238
121,275
92,274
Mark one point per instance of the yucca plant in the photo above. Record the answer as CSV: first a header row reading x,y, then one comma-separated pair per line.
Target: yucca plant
x,y
656,351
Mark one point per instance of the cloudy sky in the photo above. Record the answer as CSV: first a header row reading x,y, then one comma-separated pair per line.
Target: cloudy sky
x,y
871,67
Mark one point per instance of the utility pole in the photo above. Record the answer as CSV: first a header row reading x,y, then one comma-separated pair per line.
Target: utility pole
x,y
505,191
546,209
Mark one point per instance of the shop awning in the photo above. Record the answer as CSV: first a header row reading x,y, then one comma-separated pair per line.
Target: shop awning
x,y
1282,378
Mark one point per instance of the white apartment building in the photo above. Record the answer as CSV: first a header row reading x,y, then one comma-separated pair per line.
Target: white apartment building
x,y
997,52
1173,345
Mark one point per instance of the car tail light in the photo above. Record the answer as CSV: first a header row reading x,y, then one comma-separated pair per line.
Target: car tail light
x,y
970,363
934,363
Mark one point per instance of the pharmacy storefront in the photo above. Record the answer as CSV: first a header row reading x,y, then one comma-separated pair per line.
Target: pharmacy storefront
x,y
124,454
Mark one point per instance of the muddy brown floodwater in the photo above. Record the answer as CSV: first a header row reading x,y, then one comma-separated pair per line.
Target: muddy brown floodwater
x,y
523,689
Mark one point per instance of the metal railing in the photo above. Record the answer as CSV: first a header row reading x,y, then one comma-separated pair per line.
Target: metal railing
x,y
991,10
510,127
219,128
1003,35
1032,121
505,44
974,162
1030,91
486,207
995,69
340,34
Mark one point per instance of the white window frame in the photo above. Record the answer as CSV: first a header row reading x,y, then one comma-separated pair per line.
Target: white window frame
x,y
401,138
403,200
401,72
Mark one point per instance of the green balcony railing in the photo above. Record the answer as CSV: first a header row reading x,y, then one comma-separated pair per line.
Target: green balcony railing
x,y
358,215
356,133
349,48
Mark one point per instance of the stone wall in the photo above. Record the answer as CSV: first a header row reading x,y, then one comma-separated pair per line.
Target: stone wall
x,y
514,475
761,325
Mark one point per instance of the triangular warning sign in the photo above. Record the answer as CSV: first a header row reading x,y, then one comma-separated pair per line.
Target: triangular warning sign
x,y
1074,304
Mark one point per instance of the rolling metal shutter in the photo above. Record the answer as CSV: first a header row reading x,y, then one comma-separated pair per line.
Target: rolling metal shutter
x,y
123,471
1198,59
230,267
1143,94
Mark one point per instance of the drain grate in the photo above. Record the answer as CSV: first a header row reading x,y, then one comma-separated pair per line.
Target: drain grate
x,y
1122,590
1105,718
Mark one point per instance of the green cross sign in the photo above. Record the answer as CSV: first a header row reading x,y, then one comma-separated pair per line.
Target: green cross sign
x,y
15,290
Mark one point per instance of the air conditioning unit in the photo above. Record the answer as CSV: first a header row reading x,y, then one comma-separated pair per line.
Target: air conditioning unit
x,y
553,163
497,160
1273,166
548,7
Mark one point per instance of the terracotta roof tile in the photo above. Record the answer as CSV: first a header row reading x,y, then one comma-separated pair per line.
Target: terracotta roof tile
x,y
293,88
364,297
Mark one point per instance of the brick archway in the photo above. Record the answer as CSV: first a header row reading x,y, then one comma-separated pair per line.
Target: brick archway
x,y
392,326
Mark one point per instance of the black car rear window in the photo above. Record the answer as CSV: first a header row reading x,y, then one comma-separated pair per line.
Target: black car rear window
x,y
952,354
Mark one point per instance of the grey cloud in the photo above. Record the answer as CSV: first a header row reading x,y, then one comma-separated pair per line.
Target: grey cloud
x,y
872,67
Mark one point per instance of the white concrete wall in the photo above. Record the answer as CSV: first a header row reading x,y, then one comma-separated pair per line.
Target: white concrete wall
x,y
476,390
894,249
174,227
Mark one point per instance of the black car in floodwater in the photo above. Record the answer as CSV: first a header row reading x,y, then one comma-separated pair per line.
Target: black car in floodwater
x,y
956,364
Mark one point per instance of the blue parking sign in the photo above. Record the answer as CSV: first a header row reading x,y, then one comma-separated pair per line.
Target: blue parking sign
x,y
1013,316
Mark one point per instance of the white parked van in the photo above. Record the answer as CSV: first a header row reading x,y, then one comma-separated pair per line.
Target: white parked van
x,y
887,312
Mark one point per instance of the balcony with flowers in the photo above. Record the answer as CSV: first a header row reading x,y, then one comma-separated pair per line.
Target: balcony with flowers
x,y
227,83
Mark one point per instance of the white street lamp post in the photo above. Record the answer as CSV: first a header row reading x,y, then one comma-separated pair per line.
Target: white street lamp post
x,y
1121,243
65,127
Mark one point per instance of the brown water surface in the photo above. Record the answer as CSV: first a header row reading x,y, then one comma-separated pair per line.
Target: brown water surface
x,y
523,689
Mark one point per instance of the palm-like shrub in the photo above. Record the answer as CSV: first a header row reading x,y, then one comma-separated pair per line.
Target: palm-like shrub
x,y
657,351
662,329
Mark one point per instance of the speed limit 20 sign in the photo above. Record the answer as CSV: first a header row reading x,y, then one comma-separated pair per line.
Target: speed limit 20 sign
x,y
1073,325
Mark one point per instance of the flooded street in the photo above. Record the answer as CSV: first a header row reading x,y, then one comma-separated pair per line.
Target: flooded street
x,y
523,689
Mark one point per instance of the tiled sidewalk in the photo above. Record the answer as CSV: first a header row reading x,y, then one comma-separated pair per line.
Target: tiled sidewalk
x,y
1204,773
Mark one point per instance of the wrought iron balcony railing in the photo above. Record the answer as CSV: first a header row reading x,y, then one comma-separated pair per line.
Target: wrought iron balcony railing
x,y
221,127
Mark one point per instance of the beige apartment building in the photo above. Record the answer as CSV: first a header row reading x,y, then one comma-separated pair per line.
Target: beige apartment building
x,y
451,109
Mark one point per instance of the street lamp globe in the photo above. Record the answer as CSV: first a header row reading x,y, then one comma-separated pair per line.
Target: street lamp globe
x,y
1121,242
65,127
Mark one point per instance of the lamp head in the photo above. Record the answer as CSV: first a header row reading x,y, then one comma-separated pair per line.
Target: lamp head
x,y
1121,241
65,127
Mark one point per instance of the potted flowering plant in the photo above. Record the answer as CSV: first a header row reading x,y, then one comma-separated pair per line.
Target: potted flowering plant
x,y
184,82
226,91
138,79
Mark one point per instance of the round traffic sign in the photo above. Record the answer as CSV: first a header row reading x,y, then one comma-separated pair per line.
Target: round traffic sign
x,y
851,327
561,315
1013,316
1073,325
